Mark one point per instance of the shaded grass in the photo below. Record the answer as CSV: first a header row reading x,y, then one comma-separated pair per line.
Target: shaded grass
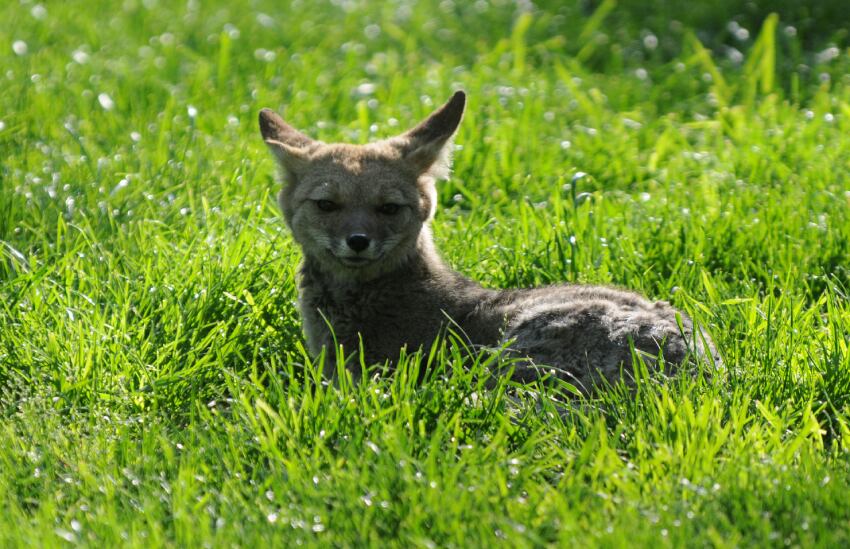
x,y
155,390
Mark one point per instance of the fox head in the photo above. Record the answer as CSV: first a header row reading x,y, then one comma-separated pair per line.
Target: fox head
x,y
358,211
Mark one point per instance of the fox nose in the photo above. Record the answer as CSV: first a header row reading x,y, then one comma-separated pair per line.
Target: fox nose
x,y
357,242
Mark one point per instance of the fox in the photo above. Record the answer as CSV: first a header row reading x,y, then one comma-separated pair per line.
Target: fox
x,y
372,280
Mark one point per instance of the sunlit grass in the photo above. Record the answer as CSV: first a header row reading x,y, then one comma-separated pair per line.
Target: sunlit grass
x,y
154,389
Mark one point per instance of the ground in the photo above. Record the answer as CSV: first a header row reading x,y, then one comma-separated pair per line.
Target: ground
x,y
154,390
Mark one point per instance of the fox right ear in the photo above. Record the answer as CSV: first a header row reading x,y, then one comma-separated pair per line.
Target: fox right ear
x,y
427,147
288,144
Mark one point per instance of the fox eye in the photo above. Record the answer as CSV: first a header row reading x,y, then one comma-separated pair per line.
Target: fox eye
x,y
389,208
327,205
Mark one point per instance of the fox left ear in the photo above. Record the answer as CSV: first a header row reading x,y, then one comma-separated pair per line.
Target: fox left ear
x,y
427,147
274,128
288,144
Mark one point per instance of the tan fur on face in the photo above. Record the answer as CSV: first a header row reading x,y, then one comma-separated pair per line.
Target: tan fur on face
x,y
359,180
374,276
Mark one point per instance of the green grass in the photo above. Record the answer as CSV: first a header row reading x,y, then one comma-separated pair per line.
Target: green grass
x,y
154,390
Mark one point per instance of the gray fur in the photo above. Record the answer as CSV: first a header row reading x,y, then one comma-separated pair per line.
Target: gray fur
x,y
397,292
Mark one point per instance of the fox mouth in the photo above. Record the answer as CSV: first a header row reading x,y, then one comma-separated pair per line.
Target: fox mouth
x,y
356,261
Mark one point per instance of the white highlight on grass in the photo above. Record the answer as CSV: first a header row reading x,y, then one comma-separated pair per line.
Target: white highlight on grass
x,y
735,56
366,88
121,185
739,32
105,101
39,12
828,55
632,124
231,30
263,54
374,447
372,31
80,57
265,20
20,47
66,535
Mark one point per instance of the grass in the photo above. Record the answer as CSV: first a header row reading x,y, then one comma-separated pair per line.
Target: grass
x,y
154,390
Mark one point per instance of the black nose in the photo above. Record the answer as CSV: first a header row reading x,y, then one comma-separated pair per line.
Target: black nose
x,y
358,242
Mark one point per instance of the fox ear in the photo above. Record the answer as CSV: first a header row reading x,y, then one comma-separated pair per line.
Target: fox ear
x,y
288,144
274,128
427,147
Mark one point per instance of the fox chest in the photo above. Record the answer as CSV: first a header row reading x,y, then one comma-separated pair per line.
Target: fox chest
x,y
382,319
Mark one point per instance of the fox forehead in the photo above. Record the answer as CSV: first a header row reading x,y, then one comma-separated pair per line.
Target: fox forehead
x,y
357,174
354,159
358,191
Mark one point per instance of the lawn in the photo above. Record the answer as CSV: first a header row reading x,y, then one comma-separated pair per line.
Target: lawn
x,y
154,388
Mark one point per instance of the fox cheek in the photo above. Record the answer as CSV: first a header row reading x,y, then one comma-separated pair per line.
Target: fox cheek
x,y
285,203
306,232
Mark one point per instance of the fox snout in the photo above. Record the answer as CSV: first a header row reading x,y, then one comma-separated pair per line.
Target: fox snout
x,y
358,232
358,242
357,249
